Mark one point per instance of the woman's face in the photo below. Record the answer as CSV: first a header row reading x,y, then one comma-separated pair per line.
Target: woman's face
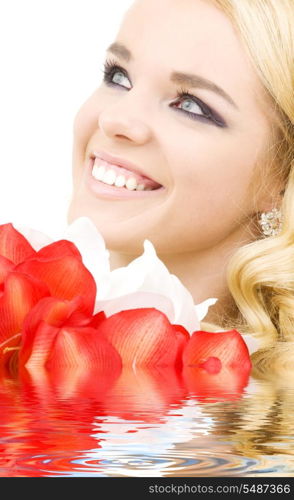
x,y
205,160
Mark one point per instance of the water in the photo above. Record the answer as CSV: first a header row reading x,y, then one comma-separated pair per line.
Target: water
x,y
144,423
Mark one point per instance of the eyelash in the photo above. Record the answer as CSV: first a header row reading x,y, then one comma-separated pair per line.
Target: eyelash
x,y
110,67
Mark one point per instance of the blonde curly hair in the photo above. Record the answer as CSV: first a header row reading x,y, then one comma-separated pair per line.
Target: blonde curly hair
x,y
260,275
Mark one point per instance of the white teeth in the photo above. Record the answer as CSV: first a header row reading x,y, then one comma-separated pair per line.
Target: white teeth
x,y
131,183
120,181
98,172
109,177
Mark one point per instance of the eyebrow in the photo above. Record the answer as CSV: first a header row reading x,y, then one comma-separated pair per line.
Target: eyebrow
x,y
177,77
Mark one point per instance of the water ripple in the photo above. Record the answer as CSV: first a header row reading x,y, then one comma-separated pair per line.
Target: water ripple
x,y
159,435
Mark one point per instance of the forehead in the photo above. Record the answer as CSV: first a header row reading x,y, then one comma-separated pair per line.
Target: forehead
x,y
188,35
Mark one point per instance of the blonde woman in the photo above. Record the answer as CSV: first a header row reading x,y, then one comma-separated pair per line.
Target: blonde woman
x,y
188,141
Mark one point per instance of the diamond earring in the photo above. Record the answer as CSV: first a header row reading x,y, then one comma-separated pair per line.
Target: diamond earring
x,y
271,222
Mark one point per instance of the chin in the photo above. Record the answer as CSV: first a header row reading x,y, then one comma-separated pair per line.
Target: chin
x,y
117,238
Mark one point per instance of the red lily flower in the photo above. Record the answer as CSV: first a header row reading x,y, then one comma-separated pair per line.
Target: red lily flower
x,y
59,265
47,301
18,291
27,276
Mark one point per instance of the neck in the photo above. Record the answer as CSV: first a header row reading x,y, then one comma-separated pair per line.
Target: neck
x,y
202,273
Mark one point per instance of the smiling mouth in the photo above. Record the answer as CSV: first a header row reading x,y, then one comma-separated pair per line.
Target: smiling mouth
x,y
121,178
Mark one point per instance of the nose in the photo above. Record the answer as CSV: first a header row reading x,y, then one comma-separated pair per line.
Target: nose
x,y
125,119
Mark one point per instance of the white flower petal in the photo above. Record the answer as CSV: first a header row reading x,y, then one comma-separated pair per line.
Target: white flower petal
x,y
185,312
144,271
121,281
90,243
37,239
147,274
135,300
202,308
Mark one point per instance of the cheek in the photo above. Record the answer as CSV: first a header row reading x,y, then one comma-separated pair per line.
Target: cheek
x,y
212,168
210,179
84,127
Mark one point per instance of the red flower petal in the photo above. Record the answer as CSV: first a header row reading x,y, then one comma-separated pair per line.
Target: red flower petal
x,y
36,347
142,337
57,250
229,347
182,329
212,365
97,319
9,355
6,266
66,278
183,337
82,348
13,245
53,313
20,294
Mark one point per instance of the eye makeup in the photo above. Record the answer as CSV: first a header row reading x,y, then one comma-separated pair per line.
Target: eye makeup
x,y
207,114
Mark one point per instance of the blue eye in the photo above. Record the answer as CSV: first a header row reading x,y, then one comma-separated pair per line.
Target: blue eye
x,y
203,112
111,69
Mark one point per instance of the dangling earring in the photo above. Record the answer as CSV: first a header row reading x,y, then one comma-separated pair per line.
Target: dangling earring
x,y
271,222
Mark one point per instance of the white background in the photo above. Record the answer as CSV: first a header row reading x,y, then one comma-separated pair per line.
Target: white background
x,y
51,56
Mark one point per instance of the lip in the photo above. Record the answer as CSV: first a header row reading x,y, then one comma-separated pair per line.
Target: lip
x,y
120,162
102,190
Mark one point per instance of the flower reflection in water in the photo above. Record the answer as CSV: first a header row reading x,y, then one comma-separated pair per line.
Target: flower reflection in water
x,y
71,421
144,422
